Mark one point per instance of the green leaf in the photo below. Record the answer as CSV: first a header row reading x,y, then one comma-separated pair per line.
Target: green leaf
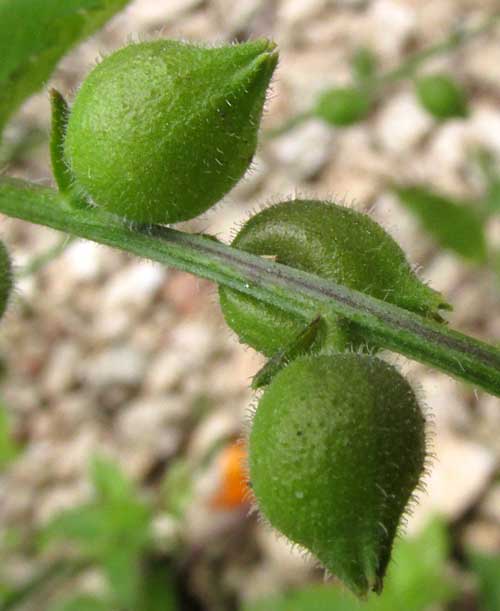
x,y
455,225
122,569
113,531
35,34
117,519
8,448
109,480
441,96
177,488
343,106
126,516
311,598
82,602
487,569
157,591
85,524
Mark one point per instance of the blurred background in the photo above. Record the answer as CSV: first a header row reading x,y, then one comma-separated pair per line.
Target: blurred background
x,y
123,393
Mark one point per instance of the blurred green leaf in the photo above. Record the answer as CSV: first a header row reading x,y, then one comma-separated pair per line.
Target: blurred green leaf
x,y
177,488
82,603
109,481
112,531
8,448
441,96
343,106
157,592
122,568
364,64
416,580
85,524
487,569
35,34
455,225
312,598
116,519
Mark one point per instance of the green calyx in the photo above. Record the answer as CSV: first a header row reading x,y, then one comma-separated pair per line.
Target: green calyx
x,y
336,449
335,243
441,96
343,106
161,131
5,278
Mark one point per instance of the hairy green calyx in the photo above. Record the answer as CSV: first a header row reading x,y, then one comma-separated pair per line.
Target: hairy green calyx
x,y
335,243
336,449
160,131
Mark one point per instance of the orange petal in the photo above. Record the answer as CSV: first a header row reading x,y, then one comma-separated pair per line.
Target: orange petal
x,y
233,489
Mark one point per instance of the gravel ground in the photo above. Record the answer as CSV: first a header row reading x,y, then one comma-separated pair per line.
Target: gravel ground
x,y
106,353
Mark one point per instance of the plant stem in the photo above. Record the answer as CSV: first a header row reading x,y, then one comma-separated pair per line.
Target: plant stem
x,y
40,260
300,293
292,122
457,39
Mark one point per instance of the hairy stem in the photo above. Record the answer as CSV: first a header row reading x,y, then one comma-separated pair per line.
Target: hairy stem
x,y
298,292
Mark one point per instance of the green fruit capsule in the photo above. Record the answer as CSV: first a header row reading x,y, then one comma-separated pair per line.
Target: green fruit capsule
x,y
336,449
343,106
5,278
335,243
160,131
441,96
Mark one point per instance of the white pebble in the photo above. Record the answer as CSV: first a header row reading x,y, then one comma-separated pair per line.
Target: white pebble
x,y
401,124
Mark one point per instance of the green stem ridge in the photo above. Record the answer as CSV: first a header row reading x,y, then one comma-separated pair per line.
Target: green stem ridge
x,y
298,292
